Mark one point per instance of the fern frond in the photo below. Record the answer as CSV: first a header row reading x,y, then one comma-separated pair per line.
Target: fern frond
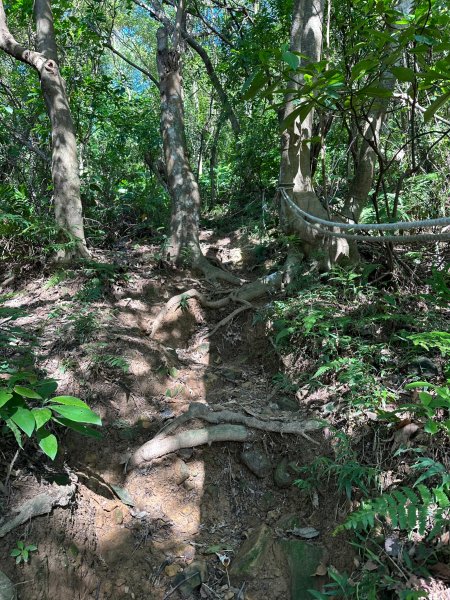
x,y
405,510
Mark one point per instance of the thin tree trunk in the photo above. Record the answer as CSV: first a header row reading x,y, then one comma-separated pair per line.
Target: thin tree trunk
x,y
183,188
370,132
295,164
66,183
182,185
213,159
65,172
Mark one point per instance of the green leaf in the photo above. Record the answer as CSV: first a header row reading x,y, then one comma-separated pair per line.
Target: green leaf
x,y
47,442
24,418
76,413
69,401
431,427
374,91
47,387
403,74
435,106
291,59
4,397
15,430
15,552
84,429
27,392
123,494
41,416
417,384
253,84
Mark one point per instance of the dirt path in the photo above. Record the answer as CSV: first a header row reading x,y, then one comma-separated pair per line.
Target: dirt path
x,y
192,512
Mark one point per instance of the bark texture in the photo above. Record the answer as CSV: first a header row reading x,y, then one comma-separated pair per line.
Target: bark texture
x,y
295,164
66,183
183,188
182,185
65,171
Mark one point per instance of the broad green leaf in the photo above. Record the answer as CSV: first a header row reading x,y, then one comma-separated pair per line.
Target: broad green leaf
x,y
417,384
47,387
253,84
291,59
403,74
76,413
41,416
376,92
123,494
23,417
435,106
16,552
4,397
27,392
431,427
47,442
69,401
79,427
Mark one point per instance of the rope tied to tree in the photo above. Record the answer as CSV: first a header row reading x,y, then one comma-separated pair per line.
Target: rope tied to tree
x,y
399,239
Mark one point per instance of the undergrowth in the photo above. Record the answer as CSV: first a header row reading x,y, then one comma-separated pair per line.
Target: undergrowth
x,y
379,357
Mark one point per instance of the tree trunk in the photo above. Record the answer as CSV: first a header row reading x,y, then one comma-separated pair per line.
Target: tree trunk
x,y
182,185
65,173
295,165
66,183
184,243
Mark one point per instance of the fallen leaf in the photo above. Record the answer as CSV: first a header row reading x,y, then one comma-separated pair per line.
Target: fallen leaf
x,y
123,495
370,566
321,570
304,532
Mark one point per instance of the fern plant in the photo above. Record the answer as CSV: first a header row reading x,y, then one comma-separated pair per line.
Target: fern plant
x,y
427,511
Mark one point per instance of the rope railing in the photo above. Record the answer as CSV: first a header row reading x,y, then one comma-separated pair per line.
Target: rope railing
x,y
398,239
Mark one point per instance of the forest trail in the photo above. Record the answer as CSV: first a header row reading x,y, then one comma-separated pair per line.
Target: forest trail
x,y
192,510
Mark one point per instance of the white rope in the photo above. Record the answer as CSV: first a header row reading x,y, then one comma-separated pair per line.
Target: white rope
x,y
441,222
397,239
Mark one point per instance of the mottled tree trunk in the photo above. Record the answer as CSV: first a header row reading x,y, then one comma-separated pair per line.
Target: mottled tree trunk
x,y
295,165
65,172
182,185
65,175
184,243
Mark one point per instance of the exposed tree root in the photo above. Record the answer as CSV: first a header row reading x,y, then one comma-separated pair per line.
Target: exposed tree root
x,y
213,273
229,318
245,294
229,427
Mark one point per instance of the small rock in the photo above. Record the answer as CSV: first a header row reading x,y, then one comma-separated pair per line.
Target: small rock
x,y
228,595
7,589
185,453
181,471
191,578
251,557
257,462
118,516
283,475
